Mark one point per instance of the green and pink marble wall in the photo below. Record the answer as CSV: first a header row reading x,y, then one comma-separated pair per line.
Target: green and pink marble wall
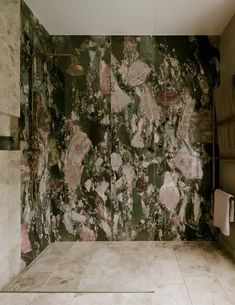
x,y
126,148
135,163
35,168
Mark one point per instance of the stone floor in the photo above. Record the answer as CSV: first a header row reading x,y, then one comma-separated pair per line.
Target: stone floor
x,y
138,273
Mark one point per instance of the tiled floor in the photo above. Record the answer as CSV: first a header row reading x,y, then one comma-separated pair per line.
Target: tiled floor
x,y
138,273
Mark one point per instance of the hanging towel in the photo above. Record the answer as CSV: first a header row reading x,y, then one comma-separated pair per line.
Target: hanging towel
x,y
223,211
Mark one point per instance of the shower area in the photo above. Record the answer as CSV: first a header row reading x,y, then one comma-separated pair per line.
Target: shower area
x,y
116,163
116,137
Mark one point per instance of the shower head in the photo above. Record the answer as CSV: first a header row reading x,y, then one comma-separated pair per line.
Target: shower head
x,y
74,69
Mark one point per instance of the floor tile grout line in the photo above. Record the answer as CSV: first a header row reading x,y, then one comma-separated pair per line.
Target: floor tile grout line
x,y
185,284
216,277
208,262
232,302
214,273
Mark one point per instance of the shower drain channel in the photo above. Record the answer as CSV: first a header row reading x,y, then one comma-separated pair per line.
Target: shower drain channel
x,y
82,292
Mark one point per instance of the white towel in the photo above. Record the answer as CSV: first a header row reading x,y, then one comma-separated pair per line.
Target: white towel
x,y
223,211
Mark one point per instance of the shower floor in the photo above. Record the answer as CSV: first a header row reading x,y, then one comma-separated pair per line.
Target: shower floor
x,y
140,273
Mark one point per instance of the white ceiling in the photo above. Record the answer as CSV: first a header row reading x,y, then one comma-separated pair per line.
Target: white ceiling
x,y
133,17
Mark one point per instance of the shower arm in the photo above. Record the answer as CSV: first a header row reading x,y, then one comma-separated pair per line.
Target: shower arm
x,y
53,55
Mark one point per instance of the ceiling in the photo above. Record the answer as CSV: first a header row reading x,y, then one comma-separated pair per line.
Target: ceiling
x,y
133,17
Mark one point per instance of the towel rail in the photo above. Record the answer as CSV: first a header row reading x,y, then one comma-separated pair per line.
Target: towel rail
x,y
229,120
230,159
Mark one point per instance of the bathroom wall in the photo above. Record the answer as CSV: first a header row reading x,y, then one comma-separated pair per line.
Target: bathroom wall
x,y
226,107
132,145
125,149
80,145
10,259
34,140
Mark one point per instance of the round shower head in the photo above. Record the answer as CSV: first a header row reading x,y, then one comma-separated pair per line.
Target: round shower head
x,y
75,69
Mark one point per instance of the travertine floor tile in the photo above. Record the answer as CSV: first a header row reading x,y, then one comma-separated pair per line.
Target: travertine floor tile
x,y
220,263
206,290
133,299
164,267
16,299
76,299
98,267
171,294
228,284
191,261
119,284
62,281
93,299
53,299
30,282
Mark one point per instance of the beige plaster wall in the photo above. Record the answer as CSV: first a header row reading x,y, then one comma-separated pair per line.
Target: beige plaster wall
x,y
226,107
10,241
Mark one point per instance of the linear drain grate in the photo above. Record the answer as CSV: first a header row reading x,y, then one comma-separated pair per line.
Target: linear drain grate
x,y
82,292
